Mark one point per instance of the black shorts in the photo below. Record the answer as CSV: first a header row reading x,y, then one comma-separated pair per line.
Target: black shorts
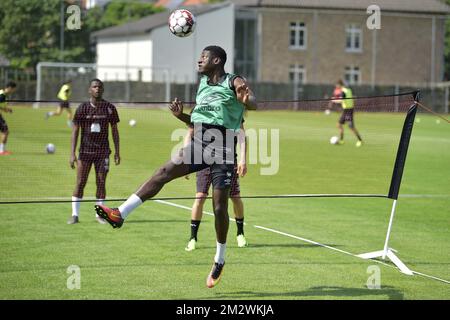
x,y
64,104
101,163
347,116
3,125
211,147
204,182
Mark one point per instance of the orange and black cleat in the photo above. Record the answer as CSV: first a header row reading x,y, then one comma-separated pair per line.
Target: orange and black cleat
x,y
111,215
215,275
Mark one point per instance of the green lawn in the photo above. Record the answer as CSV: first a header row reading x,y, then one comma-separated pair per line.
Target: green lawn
x,y
145,259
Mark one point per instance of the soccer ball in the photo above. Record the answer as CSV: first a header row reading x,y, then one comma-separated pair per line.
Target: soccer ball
x,y
327,112
132,122
50,148
334,140
182,23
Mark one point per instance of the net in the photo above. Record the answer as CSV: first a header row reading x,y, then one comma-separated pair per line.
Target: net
x,y
289,150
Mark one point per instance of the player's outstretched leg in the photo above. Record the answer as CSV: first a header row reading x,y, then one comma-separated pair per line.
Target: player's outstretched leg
x,y
116,216
110,215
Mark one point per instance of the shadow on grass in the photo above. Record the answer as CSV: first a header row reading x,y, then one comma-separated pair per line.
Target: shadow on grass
x,y
323,291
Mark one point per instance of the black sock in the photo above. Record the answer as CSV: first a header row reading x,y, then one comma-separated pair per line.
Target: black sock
x,y
240,226
342,136
195,224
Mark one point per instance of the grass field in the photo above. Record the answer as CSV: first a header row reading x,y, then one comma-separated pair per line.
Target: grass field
x,y
146,258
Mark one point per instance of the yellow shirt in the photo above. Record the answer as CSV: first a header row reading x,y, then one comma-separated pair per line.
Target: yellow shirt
x,y
64,92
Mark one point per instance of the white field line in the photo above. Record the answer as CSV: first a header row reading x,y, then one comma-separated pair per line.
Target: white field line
x,y
305,240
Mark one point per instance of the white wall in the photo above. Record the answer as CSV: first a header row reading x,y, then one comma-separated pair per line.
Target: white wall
x,y
121,55
160,52
180,55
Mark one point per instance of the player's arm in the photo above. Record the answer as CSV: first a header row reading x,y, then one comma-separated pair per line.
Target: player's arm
x,y
3,99
115,134
244,94
177,110
340,97
242,141
73,145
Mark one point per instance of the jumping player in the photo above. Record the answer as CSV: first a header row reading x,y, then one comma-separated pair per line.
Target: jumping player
x,y
220,104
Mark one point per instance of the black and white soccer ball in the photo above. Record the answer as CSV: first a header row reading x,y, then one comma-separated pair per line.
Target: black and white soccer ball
x,y
50,148
182,23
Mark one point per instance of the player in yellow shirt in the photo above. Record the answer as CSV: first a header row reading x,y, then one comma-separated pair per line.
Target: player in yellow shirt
x,y
345,99
64,96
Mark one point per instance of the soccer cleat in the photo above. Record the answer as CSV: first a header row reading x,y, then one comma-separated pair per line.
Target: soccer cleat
x,y
111,215
73,220
100,220
358,143
5,153
191,245
341,142
215,275
242,242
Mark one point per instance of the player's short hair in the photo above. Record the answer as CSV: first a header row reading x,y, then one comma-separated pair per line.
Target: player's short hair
x,y
95,80
217,52
11,84
340,82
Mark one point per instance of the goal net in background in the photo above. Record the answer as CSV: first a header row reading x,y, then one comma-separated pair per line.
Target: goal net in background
x,y
125,83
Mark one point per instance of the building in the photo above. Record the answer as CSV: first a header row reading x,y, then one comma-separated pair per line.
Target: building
x,y
319,41
145,50
285,41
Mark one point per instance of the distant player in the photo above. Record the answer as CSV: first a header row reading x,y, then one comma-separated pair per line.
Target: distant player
x,y
220,103
343,95
93,118
203,185
4,131
63,95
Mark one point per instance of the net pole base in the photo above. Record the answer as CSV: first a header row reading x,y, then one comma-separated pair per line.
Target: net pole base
x,y
391,256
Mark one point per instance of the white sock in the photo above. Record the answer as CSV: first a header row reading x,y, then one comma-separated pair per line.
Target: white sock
x,y
75,206
99,202
51,113
220,252
132,203
2,147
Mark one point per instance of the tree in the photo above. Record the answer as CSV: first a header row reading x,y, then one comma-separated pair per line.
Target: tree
x,y
30,29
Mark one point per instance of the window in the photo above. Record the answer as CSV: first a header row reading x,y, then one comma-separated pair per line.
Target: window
x,y
245,62
297,74
352,75
297,38
353,38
